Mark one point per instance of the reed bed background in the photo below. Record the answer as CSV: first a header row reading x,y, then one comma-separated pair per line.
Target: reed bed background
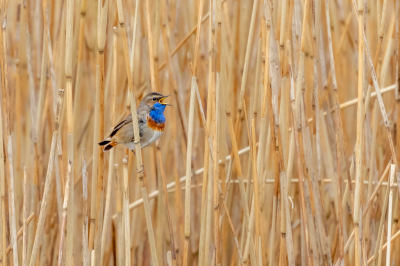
x,y
280,148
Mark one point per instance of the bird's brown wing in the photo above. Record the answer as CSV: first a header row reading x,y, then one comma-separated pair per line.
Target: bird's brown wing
x,y
127,120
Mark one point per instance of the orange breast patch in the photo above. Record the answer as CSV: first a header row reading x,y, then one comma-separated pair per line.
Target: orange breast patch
x,y
155,126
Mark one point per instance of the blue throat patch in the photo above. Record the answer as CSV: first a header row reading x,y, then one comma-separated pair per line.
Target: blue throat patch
x,y
157,113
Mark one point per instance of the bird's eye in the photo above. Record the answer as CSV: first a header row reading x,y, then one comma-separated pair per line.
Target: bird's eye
x,y
154,99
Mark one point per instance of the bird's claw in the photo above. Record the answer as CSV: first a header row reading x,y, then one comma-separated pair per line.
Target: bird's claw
x,y
141,170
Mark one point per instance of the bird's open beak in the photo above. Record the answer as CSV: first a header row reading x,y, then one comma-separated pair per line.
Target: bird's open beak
x,y
162,100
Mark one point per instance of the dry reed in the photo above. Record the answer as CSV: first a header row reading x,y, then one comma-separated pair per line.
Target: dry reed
x,y
265,159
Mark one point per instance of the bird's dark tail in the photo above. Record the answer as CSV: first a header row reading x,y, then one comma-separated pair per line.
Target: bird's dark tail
x,y
110,144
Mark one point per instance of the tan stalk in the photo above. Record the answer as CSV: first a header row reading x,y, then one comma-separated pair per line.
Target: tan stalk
x,y
205,182
45,198
232,230
190,138
382,221
7,137
3,195
390,211
64,214
360,130
102,14
119,223
80,65
295,123
240,45
32,95
112,152
235,153
125,215
256,193
70,130
371,167
393,238
20,232
85,224
188,171
214,87
379,261
171,231
276,138
25,213
379,98
139,165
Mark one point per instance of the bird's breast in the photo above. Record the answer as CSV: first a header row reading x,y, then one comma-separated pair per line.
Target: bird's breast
x,y
154,125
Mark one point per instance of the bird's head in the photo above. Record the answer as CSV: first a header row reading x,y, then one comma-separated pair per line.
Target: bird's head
x,y
155,100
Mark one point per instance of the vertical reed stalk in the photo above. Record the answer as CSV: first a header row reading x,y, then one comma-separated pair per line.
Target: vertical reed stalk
x,y
112,152
85,225
64,214
188,170
256,191
45,46
102,14
8,140
139,165
3,195
171,231
339,133
25,213
390,210
70,130
190,137
382,221
360,130
235,154
79,70
153,58
397,90
371,166
96,138
32,95
48,182
381,104
216,171
214,87
206,164
126,218
271,100
379,261
151,52
119,223
296,125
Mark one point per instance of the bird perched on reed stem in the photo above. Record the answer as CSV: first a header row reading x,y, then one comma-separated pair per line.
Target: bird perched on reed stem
x,y
151,121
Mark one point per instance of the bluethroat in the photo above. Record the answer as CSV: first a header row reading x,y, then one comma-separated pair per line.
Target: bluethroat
x,y
151,121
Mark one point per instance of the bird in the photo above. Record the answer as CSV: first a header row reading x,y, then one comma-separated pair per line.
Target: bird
x,y
151,121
